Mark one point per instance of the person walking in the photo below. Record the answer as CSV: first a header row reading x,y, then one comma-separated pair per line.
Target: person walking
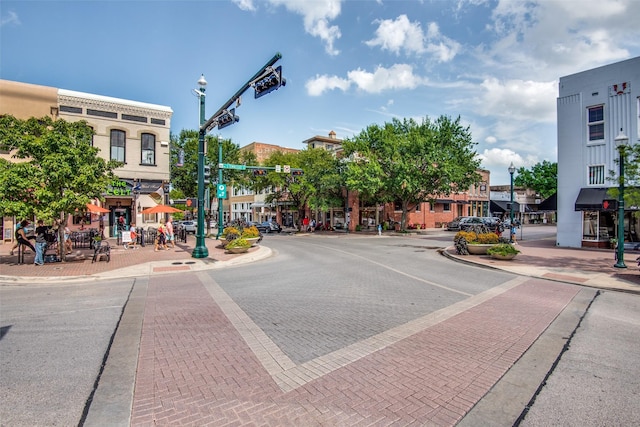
x,y
161,239
41,242
379,229
171,238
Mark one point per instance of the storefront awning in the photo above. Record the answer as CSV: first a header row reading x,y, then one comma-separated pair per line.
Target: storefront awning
x,y
502,206
590,199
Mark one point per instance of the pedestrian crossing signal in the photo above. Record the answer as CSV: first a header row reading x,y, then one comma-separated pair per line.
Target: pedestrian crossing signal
x,y
259,172
297,172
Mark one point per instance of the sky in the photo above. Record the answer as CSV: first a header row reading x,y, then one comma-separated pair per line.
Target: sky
x,y
348,64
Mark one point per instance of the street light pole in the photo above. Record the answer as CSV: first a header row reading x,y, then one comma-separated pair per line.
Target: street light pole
x,y
512,170
621,143
201,251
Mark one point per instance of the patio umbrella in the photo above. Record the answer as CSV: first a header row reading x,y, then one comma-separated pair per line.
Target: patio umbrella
x,y
160,209
96,209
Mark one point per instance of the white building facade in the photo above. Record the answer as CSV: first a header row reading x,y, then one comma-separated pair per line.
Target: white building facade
x,y
592,108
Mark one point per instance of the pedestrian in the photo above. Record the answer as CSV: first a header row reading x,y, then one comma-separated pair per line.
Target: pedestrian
x,y
134,237
67,240
305,224
513,234
161,238
41,242
379,229
171,238
21,236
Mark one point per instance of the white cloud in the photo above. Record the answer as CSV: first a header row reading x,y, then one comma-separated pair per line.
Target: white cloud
x,y
517,99
11,18
402,35
548,39
245,5
320,84
399,34
398,76
316,16
491,140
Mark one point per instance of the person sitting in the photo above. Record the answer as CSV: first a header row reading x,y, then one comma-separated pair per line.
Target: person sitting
x,y
22,238
134,238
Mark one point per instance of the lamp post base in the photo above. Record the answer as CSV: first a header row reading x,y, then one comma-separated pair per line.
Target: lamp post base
x,y
619,265
200,252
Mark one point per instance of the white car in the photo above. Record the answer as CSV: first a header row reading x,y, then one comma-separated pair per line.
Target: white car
x,y
190,226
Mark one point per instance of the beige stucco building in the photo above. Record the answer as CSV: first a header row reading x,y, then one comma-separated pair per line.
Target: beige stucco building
x,y
133,132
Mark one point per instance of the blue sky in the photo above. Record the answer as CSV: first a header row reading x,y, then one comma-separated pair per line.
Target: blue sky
x,y
348,64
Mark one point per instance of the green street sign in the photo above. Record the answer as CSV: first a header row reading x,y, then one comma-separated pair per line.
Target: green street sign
x,y
231,166
221,191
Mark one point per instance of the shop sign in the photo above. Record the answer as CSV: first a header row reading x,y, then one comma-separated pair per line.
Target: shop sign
x,y
118,188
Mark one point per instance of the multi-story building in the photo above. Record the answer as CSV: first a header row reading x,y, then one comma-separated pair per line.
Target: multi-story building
x,y
594,106
132,132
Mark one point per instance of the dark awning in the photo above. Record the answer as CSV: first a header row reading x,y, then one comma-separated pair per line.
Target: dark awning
x,y
590,199
503,206
549,204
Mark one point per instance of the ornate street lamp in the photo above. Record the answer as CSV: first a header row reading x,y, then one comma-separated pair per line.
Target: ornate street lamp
x,y
201,251
621,144
512,170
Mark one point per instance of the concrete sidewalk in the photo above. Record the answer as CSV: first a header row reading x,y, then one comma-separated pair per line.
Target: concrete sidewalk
x,y
586,267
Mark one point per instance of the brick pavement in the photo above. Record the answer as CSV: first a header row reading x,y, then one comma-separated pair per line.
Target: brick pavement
x,y
203,362
120,258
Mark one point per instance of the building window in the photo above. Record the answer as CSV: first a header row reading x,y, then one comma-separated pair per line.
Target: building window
x,y
157,121
148,144
133,118
69,109
596,123
118,142
446,207
596,175
100,113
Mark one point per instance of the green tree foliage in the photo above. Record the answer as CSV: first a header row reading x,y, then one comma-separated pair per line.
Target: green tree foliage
x,y
56,169
631,177
542,177
411,163
185,177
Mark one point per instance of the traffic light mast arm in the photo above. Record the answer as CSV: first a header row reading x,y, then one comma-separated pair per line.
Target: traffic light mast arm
x,y
208,124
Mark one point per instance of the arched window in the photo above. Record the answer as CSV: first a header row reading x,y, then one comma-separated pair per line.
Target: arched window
x,y
148,144
118,145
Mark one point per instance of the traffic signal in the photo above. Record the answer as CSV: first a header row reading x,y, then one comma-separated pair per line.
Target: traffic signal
x,y
207,174
259,172
297,172
269,83
227,118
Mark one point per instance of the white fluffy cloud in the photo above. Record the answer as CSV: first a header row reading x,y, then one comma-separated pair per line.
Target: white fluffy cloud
x,y
398,76
402,35
518,99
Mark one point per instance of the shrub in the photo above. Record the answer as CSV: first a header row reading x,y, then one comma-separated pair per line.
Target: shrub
x,y
238,243
250,232
502,249
477,238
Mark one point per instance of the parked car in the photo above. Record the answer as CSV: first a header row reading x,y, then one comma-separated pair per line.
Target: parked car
x,y
493,224
469,222
455,224
269,227
190,226
507,222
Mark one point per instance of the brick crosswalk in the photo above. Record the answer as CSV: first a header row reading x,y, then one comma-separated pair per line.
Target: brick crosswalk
x,y
203,362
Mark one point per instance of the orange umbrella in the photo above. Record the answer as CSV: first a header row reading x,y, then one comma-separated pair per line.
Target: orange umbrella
x,y
96,209
160,209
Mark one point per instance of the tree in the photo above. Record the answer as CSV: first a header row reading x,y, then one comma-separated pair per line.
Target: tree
x,y
184,149
411,163
57,170
631,177
542,178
